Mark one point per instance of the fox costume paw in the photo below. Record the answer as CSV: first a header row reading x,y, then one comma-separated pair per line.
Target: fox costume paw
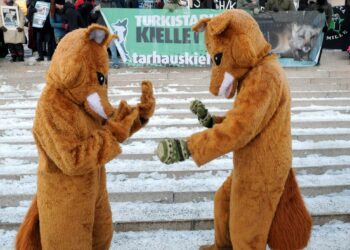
x,y
204,117
170,151
121,128
126,119
148,103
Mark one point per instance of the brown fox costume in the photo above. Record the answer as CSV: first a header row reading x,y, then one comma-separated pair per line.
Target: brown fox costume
x,y
260,202
77,132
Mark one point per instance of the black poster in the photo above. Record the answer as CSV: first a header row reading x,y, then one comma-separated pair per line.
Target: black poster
x,y
296,36
338,35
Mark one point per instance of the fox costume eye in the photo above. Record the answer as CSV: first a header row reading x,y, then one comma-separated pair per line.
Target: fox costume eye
x,y
101,78
217,58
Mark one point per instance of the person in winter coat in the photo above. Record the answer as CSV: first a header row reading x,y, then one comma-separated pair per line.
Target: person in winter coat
x,y
14,38
134,4
31,32
205,4
303,4
45,38
22,5
57,21
279,5
71,17
175,4
119,3
85,11
322,6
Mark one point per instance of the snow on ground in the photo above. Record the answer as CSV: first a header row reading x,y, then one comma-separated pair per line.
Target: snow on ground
x,y
153,182
331,236
171,101
13,166
148,212
18,117
11,135
150,146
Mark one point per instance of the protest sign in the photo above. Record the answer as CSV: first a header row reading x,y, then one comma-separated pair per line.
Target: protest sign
x,y
338,35
165,38
39,18
10,18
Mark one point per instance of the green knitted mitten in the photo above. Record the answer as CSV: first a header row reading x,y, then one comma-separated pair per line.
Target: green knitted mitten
x,y
170,151
204,117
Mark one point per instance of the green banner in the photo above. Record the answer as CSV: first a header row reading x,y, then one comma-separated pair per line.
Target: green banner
x,y
153,37
159,37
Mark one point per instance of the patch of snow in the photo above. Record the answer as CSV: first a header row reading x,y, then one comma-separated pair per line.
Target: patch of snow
x,y
331,236
159,182
148,212
150,146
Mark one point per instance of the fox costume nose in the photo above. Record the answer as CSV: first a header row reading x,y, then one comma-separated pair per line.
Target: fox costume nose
x,y
94,101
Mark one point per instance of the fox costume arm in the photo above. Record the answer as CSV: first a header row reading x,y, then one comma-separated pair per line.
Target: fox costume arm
x,y
59,137
253,108
144,110
218,119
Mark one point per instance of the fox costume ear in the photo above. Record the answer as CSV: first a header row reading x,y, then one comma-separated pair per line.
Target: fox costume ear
x,y
219,24
216,25
243,51
100,34
201,25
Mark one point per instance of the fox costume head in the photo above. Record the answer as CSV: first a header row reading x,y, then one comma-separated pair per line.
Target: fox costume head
x,y
79,68
235,44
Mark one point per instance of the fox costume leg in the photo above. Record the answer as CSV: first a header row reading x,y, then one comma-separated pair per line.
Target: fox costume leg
x,y
67,214
222,215
103,227
291,226
221,218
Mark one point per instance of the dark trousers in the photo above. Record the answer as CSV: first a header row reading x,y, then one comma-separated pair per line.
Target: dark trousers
x,y
16,50
45,39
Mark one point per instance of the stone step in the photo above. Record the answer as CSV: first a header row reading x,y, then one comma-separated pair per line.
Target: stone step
x,y
192,124
172,196
201,95
28,113
21,140
31,157
155,72
24,85
131,216
184,103
146,149
24,136
332,235
28,90
155,187
13,169
181,75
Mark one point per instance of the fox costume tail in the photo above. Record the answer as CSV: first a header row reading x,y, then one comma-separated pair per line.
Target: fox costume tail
x,y
28,236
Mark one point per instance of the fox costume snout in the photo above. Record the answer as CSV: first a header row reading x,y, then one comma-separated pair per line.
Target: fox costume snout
x,y
77,131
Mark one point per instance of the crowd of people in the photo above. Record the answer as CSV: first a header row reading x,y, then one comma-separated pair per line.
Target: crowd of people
x,y
65,16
